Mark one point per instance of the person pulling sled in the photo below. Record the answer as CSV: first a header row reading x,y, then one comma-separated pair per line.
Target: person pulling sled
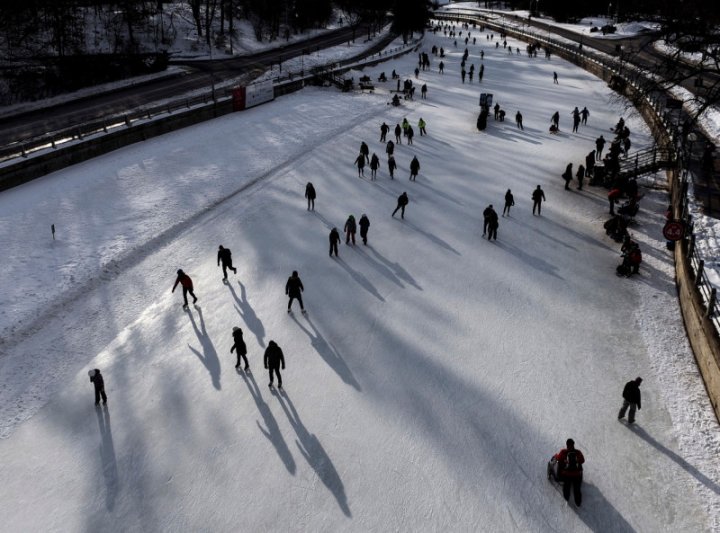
x,y
566,467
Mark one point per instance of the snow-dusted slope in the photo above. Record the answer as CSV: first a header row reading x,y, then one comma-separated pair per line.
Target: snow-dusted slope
x,y
435,372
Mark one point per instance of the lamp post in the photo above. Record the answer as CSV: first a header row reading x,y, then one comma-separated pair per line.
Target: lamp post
x,y
692,137
609,10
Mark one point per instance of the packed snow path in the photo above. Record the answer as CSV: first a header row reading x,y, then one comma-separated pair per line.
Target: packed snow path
x,y
435,372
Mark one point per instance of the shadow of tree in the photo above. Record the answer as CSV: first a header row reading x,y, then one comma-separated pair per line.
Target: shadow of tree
x,y
315,455
209,357
272,433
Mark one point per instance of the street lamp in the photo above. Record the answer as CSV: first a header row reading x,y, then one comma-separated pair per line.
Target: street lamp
x,y
692,137
609,10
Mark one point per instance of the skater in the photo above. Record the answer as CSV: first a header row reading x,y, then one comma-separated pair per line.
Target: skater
x,y
187,286
334,240
360,162
570,471
364,150
401,203
225,255
421,127
99,383
555,78
584,114
392,165
567,176
496,109
423,91
414,168
310,195
349,229
518,120
599,145
486,218
509,202
492,224
273,361
294,289
441,66
631,399
239,347
398,132
576,119
481,72
374,164
384,128
364,226
580,176
462,74
555,120
410,132
390,148
538,197
405,126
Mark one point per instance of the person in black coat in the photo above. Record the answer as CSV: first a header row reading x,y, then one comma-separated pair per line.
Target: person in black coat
x,y
310,195
401,203
509,202
224,255
398,134
334,240
492,224
350,229
384,128
365,150
486,214
273,361
414,167
390,148
631,399
360,162
239,347
568,176
294,289
97,380
392,165
374,165
538,197
364,226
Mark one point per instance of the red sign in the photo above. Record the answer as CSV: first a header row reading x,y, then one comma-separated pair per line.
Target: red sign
x,y
674,230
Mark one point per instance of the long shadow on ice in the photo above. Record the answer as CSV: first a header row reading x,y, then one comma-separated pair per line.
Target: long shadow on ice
x,y
432,237
248,315
273,430
209,357
528,259
690,469
399,271
598,514
328,352
438,192
107,456
362,280
315,455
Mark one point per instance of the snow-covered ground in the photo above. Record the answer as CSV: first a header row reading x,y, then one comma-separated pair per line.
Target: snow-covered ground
x,y
435,372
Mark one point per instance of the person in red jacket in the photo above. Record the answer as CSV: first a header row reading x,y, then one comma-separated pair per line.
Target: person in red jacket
x,y
570,470
187,286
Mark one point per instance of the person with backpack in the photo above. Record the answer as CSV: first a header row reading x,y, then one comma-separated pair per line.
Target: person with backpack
x,y
225,255
334,240
99,383
273,360
538,197
570,471
384,128
294,289
509,202
631,399
374,164
187,286
414,168
401,203
350,228
364,226
310,195
239,347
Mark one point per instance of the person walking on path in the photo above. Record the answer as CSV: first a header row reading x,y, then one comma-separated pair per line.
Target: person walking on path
x,y
374,164
365,150
334,240
580,176
401,203
518,120
273,361
421,127
390,148
99,383
570,471
555,78
239,347
414,168
599,145
349,229
294,289
631,399
187,286
360,162
364,226
584,114
392,165
384,128
310,195
538,197
509,202
567,176
224,255
398,134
